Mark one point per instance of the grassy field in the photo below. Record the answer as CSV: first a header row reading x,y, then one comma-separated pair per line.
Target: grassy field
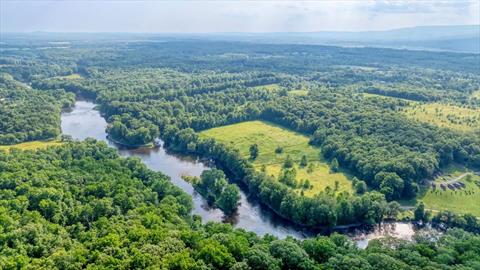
x,y
368,95
364,68
269,87
73,76
298,92
476,94
466,200
444,115
268,137
31,145
276,87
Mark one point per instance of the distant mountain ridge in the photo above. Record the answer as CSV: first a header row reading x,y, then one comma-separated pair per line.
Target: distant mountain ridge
x,y
416,33
455,38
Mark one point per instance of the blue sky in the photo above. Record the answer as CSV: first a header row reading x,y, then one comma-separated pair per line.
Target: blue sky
x,y
231,15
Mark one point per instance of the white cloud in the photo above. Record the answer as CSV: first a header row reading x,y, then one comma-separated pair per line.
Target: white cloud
x,y
232,16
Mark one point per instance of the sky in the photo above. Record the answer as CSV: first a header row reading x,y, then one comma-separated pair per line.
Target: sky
x,y
197,16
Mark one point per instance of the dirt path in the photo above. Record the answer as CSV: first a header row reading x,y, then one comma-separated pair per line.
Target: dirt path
x,y
453,180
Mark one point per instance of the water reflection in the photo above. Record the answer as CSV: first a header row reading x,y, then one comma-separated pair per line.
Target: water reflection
x,y
400,230
83,121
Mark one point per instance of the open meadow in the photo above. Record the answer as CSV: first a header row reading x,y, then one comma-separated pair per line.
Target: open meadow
x,y
476,95
298,92
269,137
31,145
370,95
268,87
445,116
441,194
74,76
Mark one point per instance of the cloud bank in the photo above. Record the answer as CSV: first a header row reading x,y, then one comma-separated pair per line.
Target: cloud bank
x,y
231,16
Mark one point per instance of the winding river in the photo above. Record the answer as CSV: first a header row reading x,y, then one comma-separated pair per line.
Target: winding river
x,y
84,121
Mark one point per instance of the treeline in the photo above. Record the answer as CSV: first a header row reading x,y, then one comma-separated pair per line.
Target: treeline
x,y
447,219
27,114
80,206
323,210
401,93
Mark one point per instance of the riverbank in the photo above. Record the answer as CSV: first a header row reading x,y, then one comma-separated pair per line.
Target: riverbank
x,y
101,134
131,146
85,121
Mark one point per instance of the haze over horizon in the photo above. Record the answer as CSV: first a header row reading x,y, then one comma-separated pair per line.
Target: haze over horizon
x,y
232,16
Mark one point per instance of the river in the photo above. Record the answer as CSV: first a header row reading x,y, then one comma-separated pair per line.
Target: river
x,y
84,121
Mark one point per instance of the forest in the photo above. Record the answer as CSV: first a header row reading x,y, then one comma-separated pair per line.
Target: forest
x,y
27,114
80,206
363,110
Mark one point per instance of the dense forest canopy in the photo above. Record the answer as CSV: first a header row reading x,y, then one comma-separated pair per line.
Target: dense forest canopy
x,y
81,206
27,114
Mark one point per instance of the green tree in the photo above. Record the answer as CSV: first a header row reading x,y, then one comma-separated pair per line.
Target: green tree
x,y
288,163
253,151
263,168
303,161
228,200
420,214
240,266
360,187
390,184
393,209
306,184
334,165
291,255
215,254
211,184
259,258
310,167
288,177
320,248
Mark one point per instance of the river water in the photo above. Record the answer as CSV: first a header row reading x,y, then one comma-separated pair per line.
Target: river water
x,y
84,121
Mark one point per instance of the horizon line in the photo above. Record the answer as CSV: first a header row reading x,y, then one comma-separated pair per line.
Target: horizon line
x,y
233,32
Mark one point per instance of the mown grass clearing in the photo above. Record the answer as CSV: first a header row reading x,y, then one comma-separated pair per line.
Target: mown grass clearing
x,y
269,87
74,76
462,201
476,95
269,137
31,145
445,116
298,92
353,67
369,95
